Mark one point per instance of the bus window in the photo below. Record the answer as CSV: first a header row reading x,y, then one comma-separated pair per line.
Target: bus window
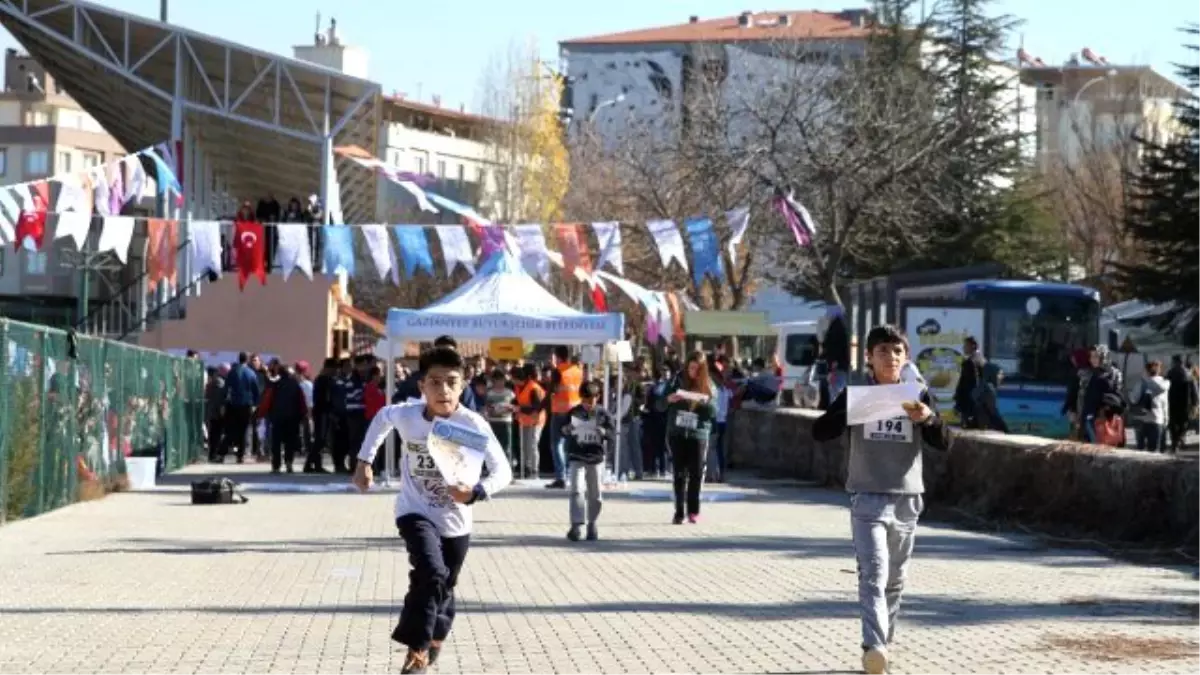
x,y
1038,348
800,350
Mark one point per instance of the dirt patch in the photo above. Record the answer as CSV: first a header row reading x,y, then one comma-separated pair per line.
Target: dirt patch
x,y
1117,647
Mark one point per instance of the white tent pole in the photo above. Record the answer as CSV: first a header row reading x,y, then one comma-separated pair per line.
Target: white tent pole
x,y
617,445
607,394
390,380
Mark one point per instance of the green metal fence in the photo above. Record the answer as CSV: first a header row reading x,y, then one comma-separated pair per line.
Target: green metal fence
x,y
72,408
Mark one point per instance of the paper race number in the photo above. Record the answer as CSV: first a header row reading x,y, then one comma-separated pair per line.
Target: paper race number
x,y
687,420
898,429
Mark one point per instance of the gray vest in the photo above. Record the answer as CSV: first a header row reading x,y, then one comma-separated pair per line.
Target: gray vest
x,y
885,457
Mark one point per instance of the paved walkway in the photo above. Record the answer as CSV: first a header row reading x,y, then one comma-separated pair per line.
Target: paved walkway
x,y
299,583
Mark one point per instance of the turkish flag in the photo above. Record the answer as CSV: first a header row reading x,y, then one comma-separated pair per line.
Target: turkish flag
x,y
32,223
248,247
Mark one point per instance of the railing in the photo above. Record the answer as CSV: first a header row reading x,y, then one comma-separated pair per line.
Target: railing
x,y
73,408
120,314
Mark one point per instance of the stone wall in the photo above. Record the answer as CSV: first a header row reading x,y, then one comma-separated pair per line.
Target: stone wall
x,y
1118,495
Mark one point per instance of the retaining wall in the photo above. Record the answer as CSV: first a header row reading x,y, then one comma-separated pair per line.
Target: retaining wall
x,y
1115,494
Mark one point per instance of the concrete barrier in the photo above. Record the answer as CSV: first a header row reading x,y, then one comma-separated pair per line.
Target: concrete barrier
x,y
1115,494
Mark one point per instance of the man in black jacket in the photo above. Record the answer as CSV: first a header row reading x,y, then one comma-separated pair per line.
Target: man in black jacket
x,y
284,407
322,408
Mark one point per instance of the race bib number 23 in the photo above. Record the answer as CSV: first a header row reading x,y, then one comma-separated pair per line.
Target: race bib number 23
x,y
899,429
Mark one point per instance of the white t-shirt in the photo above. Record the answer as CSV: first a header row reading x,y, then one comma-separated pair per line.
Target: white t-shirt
x,y
306,386
422,488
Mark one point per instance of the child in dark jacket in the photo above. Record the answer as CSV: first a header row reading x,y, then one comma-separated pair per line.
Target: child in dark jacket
x,y
586,434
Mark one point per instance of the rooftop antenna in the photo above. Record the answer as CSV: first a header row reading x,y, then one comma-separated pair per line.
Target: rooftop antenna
x,y
317,32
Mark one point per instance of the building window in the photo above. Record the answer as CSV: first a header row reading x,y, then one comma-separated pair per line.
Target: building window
x,y
462,174
481,177
3,161
37,162
441,168
420,165
64,163
35,262
37,118
91,160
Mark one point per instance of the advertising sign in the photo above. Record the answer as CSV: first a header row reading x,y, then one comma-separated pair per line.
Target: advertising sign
x,y
935,336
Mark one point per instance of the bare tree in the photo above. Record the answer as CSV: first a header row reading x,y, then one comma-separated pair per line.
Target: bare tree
x,y
1089,175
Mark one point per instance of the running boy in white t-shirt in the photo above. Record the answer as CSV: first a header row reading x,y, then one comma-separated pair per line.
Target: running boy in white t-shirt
x,y
434,518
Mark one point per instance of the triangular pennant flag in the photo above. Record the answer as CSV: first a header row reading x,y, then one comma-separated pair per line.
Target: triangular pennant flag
x,y
531,242
70,195
571,247
10,211
379,247
205,236
669,242
116,186
74,225
706,252
116,233
295,250
738,220
31,226
609,236
414,248
137,178
161,248
100,192
339,249
456,248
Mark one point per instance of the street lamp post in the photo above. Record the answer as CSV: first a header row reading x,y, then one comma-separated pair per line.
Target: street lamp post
x,y
605,104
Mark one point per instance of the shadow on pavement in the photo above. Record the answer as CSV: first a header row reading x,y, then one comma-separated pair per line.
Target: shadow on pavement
x,y
918,609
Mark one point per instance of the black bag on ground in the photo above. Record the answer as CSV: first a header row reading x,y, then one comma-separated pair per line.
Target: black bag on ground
x,y
217,491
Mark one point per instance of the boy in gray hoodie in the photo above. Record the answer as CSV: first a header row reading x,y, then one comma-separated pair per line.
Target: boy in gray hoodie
x,y
886,487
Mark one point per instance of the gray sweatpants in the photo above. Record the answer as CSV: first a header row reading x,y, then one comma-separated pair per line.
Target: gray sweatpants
x,y
528,441
582,476
884,527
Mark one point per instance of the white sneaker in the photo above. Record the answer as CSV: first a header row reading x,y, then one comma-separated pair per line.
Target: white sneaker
x,y
875,661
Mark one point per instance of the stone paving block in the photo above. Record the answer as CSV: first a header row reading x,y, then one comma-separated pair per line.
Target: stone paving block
x,y
293,583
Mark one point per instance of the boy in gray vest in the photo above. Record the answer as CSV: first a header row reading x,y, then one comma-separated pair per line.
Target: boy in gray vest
x,y
885,486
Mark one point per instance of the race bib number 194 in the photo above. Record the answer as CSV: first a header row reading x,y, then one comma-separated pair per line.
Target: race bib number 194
x,y
899,429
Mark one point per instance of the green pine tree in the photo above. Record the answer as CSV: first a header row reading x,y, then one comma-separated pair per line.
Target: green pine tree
x,y
1164,210
973,197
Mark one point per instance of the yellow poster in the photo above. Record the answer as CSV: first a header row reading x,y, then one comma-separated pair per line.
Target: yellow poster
x,y
506,349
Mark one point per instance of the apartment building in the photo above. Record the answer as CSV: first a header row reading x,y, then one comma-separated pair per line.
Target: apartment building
x,y
43,133
1087,104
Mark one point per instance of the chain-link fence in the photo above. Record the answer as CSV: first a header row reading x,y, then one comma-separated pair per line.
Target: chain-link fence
x,y
72,408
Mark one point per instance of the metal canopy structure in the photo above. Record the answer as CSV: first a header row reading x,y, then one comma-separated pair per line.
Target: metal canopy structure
x,y
248,122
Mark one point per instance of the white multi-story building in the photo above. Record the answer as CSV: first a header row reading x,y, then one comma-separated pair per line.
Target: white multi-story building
x,y
1090,106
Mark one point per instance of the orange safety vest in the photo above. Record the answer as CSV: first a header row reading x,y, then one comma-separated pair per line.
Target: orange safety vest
x,y
566,394
525,398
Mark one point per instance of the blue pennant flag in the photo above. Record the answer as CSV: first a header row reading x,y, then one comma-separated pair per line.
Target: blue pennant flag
x,y
706,251
339,249
164,176
414,248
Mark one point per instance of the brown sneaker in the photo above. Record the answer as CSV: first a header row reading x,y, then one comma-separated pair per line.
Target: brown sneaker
x,y
435,648
416,662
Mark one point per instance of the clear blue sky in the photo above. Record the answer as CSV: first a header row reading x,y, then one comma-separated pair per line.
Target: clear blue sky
x,y
442,46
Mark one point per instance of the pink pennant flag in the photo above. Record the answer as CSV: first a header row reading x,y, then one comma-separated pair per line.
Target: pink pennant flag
x,y
492,240
797,218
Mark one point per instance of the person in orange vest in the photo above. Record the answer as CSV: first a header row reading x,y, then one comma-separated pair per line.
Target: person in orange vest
x,y
531,417
565,383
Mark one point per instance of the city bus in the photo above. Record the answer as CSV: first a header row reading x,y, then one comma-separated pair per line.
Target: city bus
x,y
1029,329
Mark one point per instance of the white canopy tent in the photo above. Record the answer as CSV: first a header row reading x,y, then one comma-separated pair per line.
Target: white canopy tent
x,y
501,301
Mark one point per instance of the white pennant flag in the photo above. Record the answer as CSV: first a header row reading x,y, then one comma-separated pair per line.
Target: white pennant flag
x,y
456,248
10,211
100,192
609,236
669,242
531,242
738,220
71,196
379,244
74,225
666,327
205,237
136,182
115,235
294,250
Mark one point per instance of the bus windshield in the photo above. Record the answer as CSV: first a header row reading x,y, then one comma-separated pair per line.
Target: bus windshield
x,y
1037,348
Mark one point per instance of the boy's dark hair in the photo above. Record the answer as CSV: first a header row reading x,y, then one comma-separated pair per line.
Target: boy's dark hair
x,y
243,357
441,357
885,334
479,381
589,390
529,371
331,363
562,353
498,375
446,341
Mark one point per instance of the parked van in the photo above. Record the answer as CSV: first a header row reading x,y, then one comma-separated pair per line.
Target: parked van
x,y
796,349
